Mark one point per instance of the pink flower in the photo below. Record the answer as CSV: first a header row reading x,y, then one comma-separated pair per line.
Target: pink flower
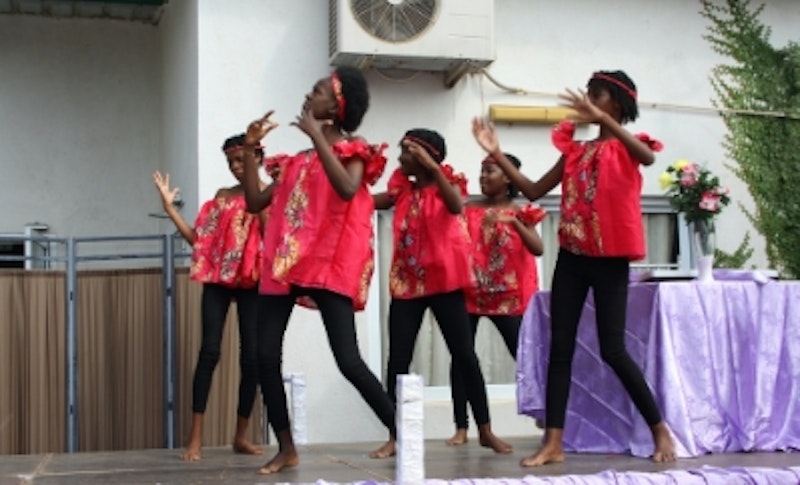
x,y
688,179
691,168
709,202
689,174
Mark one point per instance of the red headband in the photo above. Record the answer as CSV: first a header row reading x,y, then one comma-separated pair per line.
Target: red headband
x,y
490,160
625,87
431,149
336,84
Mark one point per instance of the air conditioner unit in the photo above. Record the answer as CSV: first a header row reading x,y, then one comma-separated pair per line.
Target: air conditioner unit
x,y
450,36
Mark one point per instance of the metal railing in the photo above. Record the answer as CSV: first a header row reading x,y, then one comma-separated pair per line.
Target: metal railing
x,y
72,256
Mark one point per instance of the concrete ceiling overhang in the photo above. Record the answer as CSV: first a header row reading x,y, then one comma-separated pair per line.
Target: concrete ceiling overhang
x,y
148,11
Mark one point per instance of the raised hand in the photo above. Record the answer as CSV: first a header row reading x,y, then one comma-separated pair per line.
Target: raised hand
x,y
421,155
484,134
259,128
586,111
308,124
162,184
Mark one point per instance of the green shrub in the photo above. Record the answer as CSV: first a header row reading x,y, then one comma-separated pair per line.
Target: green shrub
x,y
760,93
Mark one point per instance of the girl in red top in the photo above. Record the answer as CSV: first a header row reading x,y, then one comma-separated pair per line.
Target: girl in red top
x,y
600,232
504,243
431,267
225,243
318,243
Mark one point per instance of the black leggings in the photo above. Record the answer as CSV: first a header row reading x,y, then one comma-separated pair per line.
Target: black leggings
x,y
608,279
508,326
339,320
216,300
450,310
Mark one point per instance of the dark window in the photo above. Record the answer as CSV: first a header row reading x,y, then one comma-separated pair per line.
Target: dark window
x,y
12,249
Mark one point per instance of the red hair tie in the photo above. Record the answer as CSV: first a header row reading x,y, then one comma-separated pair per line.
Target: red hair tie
x,y
336,84
431,149
625,87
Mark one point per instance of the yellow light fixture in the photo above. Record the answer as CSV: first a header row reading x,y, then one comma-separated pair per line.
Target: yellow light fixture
x,y
528,114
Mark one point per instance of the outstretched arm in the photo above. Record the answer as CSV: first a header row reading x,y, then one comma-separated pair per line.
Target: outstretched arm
x,y
589,113
485,135
256,196
167,199
382,201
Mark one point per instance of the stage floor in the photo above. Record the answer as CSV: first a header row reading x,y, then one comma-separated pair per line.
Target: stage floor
x,y
340,463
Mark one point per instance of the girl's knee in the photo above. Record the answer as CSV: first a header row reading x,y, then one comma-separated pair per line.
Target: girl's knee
x,y
352,368
268,360
209,357
614,357
466,361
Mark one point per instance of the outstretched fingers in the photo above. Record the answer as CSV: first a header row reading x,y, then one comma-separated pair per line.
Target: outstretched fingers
x,y
259,128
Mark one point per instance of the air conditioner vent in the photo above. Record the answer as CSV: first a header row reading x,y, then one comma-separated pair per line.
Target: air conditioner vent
x,y
395,21
449,36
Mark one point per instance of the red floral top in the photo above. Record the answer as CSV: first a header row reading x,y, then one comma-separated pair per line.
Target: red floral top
x,y
227,242
315,239
431,245
601,212
505,271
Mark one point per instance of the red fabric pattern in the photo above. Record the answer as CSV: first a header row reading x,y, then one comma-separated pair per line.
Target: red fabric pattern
x,y
431,245
601,211
505,271
314,238
226,248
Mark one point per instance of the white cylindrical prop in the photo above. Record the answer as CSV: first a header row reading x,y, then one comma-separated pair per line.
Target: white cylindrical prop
x,y
297,387
410,430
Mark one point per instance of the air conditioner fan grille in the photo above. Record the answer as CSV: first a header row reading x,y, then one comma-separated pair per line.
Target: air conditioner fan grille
x,y
397,21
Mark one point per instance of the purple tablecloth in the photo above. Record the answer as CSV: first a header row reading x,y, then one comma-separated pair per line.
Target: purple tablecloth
x,y
722,358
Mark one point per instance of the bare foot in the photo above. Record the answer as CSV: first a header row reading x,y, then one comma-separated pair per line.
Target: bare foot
x,y
244,447
665,447
459,438
385,451
284,459
192,452
549,453
489,440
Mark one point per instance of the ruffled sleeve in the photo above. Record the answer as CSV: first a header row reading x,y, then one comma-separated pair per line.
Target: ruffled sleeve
x,y
455,178
562,135
654,144
530,215
274,164
374,159
398,183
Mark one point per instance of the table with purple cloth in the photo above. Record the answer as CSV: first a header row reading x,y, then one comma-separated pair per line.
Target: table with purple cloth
x,y
723,359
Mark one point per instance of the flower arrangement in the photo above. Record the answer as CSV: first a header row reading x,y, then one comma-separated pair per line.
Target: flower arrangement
x,y
694,190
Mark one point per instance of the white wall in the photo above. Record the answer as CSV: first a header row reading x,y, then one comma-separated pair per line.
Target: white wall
x,y
79,124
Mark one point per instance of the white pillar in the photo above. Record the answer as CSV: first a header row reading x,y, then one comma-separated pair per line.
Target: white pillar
x,y
297,386
410,430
